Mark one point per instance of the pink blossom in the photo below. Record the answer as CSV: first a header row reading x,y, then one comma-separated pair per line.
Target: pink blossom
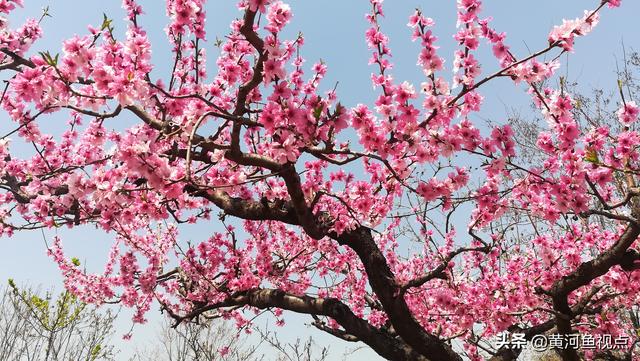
x,y
614,3
279,14
259,5
628,113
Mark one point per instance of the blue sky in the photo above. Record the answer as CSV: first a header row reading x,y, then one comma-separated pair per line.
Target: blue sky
x,y
334,33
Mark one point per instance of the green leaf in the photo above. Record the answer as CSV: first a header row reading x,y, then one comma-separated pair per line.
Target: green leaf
x,y
591,156
53,61
106,22
45,12
317,112
75,261
96,351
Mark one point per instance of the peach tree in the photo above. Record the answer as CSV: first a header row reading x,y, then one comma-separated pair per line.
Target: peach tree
x,y
311,204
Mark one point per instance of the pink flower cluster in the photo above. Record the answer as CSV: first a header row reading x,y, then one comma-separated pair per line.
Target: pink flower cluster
x,y
628,113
